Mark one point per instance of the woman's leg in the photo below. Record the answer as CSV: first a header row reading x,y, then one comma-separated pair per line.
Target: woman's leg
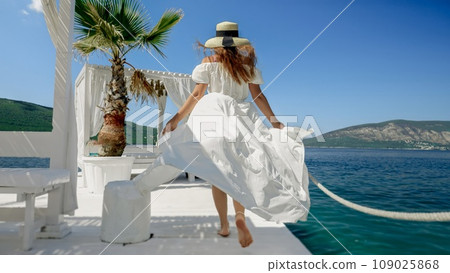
x,y
220,200
244,236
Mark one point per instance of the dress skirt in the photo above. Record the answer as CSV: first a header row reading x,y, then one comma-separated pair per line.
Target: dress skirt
x,y
226,143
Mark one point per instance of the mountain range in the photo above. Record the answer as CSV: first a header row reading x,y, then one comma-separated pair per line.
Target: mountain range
x,y
393,134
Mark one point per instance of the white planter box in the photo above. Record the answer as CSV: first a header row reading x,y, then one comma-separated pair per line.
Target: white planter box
x,y
98,171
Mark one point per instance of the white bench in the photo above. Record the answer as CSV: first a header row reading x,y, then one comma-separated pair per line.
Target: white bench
x,y
30,183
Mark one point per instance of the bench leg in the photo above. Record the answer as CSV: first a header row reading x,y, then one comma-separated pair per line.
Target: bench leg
x,y
55,227
55,203
28,229
191,177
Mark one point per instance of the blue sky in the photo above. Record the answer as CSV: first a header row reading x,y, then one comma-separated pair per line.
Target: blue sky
x,y
380,60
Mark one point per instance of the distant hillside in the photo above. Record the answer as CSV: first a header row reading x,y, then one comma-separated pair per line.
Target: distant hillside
x,y
396,134
24,116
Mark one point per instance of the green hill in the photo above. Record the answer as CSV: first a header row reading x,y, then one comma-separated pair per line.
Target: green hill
x,y
24,116
393,134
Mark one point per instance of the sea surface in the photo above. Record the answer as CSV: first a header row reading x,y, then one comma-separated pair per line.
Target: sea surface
x,y
395,180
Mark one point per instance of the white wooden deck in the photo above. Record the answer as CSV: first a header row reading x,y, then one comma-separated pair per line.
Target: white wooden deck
x,y
184,221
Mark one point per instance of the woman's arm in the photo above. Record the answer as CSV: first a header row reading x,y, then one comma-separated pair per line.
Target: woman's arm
x,y
187,107
262,103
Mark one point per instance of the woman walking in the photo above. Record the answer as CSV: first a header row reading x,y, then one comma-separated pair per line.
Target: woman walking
x,y
226,143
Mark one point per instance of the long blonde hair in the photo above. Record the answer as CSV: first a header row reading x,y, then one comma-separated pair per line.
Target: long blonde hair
x,y
235,60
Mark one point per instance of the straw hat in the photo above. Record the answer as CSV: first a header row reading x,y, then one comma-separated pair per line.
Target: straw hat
x,y
227,35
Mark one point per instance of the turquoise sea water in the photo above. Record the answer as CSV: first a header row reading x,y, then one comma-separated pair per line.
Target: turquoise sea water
x,y
398,180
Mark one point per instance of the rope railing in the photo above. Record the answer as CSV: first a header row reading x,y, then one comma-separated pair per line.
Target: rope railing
x,y
410,216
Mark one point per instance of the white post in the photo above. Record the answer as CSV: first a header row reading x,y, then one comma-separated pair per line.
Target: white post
x,y
60,25
28,228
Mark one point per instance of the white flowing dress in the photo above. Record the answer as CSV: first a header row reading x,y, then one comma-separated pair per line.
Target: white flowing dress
x,y
226,143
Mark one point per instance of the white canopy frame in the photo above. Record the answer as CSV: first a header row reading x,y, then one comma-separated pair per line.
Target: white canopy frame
x,y
90,85
59,144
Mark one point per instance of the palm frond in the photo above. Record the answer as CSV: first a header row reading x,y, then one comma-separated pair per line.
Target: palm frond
x,y
84,47
120,21
109,32
123,22
94,42
104,37
85,19
140,88
132,18
158,36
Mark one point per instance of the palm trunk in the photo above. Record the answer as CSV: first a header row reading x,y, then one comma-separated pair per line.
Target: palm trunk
x,y
112,134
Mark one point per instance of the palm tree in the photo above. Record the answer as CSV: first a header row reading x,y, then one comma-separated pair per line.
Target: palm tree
x,y
115,27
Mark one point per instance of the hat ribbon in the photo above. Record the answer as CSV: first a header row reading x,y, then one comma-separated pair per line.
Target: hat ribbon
x,y
227,36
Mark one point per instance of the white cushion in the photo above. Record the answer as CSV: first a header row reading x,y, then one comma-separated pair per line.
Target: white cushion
x,y
32,177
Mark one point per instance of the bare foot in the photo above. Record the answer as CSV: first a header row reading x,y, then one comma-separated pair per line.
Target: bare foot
x,y
224,230
244,236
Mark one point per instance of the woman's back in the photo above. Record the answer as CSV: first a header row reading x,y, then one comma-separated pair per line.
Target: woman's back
x,y
219,79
